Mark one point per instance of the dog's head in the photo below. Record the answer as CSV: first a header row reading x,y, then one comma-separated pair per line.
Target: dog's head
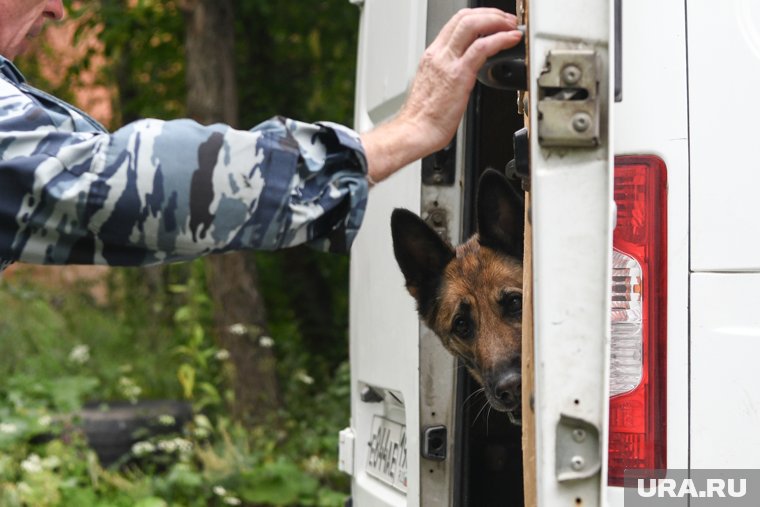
x,y
471,296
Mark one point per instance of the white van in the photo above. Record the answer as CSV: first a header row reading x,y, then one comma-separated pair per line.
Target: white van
x,y
645,272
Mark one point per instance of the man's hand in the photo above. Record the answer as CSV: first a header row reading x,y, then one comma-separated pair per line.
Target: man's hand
x,y
438,97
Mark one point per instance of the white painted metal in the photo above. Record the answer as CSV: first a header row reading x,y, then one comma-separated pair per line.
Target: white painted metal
x,y
725,408
437,367
652,119
572,240
724,73
384,327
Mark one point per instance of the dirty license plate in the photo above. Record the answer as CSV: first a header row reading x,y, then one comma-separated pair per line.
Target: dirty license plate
x,y
386,459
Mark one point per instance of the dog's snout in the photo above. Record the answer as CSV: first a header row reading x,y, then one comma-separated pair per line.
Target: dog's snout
x,y
508,389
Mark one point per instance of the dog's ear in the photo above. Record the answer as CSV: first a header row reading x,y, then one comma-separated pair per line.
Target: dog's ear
x,y
421,254
501,225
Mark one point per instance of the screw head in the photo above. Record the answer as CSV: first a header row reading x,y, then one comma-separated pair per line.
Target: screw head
x,y
579,435
577,462
438,217
571,74
581,122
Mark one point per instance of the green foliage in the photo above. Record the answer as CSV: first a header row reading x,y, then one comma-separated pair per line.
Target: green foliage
x,y
296,59
154,337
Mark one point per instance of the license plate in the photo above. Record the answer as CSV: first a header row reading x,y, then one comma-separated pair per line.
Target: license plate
x,y
386,459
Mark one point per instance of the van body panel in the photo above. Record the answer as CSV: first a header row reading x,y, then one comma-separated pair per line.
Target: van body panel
x,y
661,129
725,335
724,73
383,321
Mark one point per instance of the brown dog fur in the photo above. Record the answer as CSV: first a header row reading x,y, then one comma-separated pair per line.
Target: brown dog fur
x,y
471,296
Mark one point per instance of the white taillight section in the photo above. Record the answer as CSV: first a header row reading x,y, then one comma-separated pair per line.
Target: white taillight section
x,y
626,361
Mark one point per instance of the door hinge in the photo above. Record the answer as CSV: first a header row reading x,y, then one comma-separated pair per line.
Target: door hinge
x,y
578,450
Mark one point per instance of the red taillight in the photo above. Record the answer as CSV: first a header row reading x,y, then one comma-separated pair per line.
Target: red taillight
x,y
639,297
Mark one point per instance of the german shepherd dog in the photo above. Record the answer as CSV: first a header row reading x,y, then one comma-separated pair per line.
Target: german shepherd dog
x,y
471,295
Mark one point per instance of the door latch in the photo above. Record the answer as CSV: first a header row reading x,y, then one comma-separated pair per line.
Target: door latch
x,y
568,99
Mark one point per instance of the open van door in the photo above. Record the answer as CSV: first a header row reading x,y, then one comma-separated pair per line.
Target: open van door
x,y
571,210
399,446
419,435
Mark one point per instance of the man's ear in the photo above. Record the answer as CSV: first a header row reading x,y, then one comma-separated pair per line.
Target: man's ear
x,y
421,254
501,223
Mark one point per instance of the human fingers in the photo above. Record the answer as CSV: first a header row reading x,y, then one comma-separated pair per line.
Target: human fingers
x,y
445,34
472,26
484,47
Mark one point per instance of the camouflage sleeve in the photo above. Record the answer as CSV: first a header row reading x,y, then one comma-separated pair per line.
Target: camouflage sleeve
x,y
158,191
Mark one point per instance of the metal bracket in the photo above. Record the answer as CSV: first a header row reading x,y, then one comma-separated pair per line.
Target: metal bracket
x,y
440,167
438,219
434,443
578,450
519,167
369,394
568,99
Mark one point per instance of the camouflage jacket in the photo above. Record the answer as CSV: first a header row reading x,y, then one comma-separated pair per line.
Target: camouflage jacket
x,y
161,191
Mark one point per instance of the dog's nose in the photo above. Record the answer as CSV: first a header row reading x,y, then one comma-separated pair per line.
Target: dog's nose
x,y
508,389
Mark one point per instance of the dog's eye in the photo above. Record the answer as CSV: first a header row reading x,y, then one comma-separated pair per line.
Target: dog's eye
x,y
511,304
461,327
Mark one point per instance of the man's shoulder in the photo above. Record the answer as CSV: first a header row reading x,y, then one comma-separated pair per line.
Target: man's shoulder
x,y
12,98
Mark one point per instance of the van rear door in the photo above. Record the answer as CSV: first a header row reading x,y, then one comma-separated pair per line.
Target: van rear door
x,y
571,84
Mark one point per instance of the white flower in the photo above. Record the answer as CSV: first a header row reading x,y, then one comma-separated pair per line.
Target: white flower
x,y
183,445
129,389
304,377
51,462
231,500
176,444
8,428
219,491
316,465
201,433
203,426
24,488
79,354
32,464
167,446
266,342
166,420
238,329
45,421
142,448
222,355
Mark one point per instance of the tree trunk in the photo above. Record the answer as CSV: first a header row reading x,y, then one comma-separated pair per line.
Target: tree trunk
x,y
239,308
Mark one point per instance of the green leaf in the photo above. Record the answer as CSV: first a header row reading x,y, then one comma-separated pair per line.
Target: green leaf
x,y
186,376
279,483
151,502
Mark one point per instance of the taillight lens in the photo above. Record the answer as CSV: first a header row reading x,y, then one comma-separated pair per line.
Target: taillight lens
x,y
638,339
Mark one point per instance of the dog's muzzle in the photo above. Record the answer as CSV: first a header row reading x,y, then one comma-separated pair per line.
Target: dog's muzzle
x,y
504,389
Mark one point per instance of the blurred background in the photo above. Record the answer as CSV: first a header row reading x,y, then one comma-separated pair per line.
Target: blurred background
x,y
218,382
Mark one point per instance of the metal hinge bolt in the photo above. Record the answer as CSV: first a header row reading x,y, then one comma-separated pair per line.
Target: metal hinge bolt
x,y
581,122
577,463
571,74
